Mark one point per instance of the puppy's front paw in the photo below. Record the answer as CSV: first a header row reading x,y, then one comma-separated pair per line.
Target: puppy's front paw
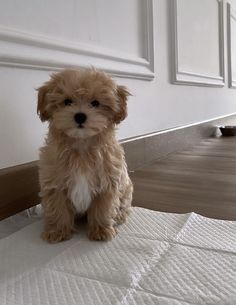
x,y
55,236
102,233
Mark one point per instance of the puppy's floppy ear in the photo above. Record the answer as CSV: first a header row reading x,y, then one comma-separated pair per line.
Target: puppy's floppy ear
x,y
42,102
122,94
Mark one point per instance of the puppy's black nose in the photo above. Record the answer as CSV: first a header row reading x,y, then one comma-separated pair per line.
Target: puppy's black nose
x,y
80,118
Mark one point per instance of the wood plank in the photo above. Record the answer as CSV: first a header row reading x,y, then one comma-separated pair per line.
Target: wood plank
x,y
19,188
201,180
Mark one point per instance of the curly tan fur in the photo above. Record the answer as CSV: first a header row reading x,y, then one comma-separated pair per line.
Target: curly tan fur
x,y
82,167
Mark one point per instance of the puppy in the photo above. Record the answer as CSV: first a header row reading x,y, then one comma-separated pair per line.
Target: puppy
x,y
82,169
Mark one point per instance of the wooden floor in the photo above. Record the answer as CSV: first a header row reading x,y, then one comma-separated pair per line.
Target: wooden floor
x,y
201,179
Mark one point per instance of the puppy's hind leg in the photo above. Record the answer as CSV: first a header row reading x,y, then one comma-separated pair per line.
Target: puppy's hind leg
x,y
59,216
124,209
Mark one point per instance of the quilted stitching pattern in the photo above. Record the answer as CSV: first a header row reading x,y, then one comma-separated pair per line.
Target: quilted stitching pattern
x,y
209,233
157,258
121,262
153,225
189,274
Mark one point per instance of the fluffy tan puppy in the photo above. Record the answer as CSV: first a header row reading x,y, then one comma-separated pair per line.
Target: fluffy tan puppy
x,y
82,168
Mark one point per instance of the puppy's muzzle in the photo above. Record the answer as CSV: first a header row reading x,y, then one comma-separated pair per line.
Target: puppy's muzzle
x,y
80,119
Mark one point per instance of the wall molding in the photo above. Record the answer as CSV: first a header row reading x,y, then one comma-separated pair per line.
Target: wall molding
x,y
189,77
28,50
231,17
156,133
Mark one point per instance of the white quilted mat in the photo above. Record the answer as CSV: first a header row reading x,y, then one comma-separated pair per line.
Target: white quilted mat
x,y
157,258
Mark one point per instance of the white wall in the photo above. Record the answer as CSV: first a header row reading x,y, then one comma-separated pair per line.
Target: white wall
x,y
37,37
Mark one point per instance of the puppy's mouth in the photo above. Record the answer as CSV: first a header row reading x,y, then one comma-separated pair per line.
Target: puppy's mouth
x,y
80,126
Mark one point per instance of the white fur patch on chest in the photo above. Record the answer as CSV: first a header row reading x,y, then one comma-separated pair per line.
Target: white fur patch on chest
x,y
80,193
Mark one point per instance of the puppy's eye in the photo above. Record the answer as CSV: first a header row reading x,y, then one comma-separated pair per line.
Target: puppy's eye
x,y
95,103
68,102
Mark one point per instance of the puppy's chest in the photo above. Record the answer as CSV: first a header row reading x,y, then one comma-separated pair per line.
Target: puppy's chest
x,y
81,190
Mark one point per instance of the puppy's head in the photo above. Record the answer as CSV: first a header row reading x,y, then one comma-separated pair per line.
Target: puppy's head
x,y
82,103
